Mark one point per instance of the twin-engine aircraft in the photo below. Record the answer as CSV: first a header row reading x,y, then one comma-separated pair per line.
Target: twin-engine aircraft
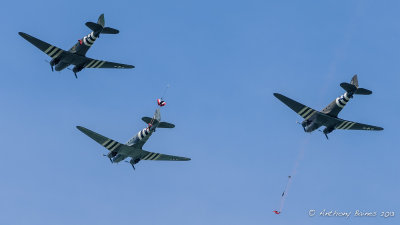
x,y
133,149
76,55
328,116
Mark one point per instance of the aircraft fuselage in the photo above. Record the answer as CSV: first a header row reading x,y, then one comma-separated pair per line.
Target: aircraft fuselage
x,y
139,139
79,49
333,109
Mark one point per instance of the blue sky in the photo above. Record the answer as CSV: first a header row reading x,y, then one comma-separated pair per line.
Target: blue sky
x,y
223,60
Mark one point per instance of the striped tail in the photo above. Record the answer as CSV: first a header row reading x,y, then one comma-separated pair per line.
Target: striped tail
x,y
352,87
98,28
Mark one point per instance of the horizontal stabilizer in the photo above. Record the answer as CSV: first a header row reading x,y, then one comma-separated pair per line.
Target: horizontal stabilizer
x,y
109,30
363,91
350,88
166,125
146,119
94,26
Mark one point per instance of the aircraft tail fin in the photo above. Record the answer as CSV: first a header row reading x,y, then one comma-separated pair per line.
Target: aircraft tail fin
x,y
99,26
353,88
100,21
354,80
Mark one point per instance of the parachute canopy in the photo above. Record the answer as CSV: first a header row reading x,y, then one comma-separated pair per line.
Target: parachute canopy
x,y
161,102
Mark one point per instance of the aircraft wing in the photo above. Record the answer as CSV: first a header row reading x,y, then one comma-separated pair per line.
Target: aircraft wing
x,y
304,111
47,48
94,63
340,124
158,156
104,141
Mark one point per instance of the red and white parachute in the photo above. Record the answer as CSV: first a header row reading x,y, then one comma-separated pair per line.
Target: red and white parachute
x,y
161,102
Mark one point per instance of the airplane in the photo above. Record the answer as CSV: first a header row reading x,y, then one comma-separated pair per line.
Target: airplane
x,y
76,55
328,117
133,148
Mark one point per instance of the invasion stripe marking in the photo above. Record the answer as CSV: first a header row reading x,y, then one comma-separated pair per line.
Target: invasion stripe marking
x,y
148,156
95,64
48,49
338,127
109,145
87,66
346,97
338,104
85,42
347,125
59,53
350,126
115,147
344,126
52,52
106,142
101,64
159,155
302,110
154,156
308,117
90,41
308,111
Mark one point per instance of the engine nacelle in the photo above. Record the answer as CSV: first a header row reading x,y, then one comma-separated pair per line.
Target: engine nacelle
x,y
54,62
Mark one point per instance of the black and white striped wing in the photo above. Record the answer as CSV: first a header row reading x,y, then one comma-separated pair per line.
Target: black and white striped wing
x,y
348,125
94,63
47,48
163,157
304,111
107,143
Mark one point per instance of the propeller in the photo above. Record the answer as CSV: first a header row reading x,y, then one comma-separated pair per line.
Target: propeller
x,y
301,125
52,68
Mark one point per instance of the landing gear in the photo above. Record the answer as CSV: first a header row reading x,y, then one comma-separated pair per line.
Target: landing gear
x,y
133,162
327,130
77,69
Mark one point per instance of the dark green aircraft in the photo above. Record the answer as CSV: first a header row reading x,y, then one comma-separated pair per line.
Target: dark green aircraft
x,y
328,116
134,147
76,55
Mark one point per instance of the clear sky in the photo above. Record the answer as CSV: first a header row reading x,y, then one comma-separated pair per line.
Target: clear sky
x,y
223,60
